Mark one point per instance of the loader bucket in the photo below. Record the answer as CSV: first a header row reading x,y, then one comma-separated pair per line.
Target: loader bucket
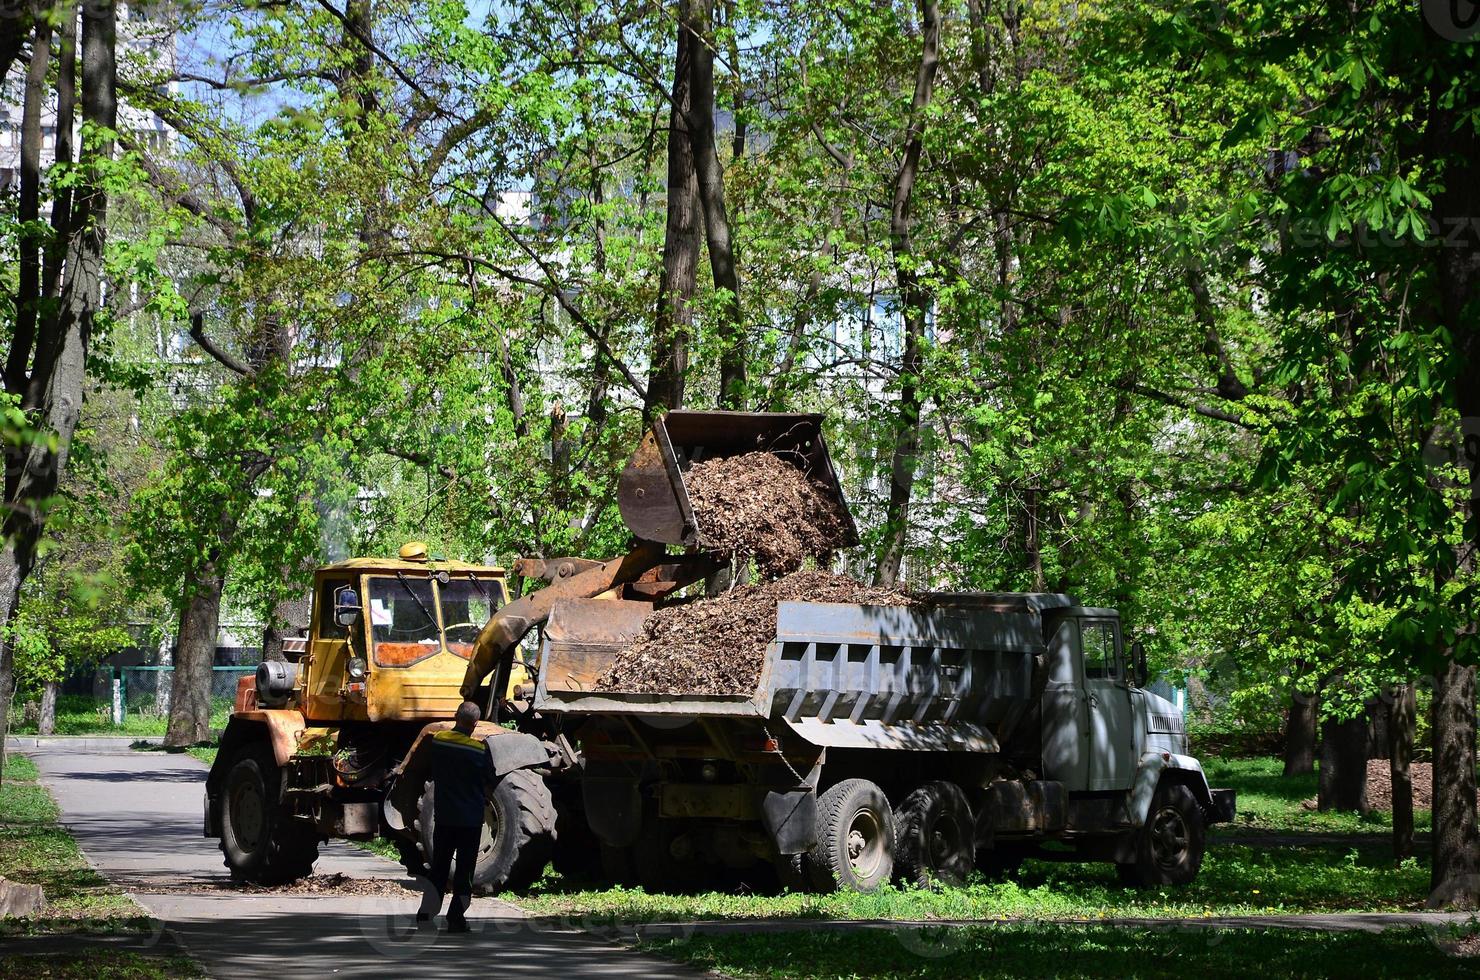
x,y
651,494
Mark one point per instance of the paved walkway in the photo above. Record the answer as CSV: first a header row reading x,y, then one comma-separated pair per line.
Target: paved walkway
x,y
137,817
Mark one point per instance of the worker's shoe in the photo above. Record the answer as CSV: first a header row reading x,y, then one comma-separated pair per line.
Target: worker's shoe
x,y
457,925
423,917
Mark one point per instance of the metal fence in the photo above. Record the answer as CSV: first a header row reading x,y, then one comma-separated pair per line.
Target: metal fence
x,y
145,691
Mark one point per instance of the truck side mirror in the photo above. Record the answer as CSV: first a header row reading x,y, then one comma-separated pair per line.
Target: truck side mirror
x,y
1138,662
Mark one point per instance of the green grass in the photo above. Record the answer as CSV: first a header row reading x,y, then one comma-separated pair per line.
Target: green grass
x,y
1269,801
20,767
35,849
1235,880
1067,951
81,715
98,965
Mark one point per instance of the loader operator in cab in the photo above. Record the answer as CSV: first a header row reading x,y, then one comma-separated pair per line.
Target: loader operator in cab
x,y
461,774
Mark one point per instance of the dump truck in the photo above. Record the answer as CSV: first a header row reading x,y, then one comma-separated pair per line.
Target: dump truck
x,y
964,732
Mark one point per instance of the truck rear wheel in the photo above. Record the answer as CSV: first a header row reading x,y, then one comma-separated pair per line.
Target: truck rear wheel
x,y
855,838
518,832
262,843
935,844
1169,846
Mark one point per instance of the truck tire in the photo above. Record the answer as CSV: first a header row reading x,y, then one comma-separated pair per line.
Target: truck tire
x,y
262,842
794,873
935,837
1169,846
518,832
855,838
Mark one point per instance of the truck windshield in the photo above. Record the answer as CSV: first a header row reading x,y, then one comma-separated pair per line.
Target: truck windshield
x,y
403,629
467,603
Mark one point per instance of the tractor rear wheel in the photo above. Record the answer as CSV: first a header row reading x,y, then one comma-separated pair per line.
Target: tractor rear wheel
x,y
261,840
518,832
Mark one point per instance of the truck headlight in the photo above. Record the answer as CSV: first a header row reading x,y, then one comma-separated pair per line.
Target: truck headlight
x,y
356,669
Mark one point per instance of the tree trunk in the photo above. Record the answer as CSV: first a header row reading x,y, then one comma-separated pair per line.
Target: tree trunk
x,y
54,389
190,687
710,181
28,209
1379,744
1343,782
46,722
1455,875
1300,732
671,326
1401,719
914,308
1031,541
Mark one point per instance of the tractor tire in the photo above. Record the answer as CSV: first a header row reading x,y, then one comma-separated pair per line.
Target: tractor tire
x,y
1169,846
935,837
261,841
412,859
518,832
855,838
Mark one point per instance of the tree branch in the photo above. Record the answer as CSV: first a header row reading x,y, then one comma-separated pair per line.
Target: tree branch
x,y
198,334
1206,411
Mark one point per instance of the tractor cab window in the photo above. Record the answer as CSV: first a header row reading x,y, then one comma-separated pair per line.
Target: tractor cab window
x,y
467,602
329,595
1101,659
403,620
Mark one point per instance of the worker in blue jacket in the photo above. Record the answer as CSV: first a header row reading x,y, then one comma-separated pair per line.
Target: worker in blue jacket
x,y
461,776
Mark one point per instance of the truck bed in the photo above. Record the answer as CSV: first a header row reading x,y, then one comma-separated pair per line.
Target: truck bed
x,y
943,676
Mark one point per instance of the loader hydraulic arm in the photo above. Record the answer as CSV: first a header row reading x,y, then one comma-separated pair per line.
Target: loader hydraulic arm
x,y
506,627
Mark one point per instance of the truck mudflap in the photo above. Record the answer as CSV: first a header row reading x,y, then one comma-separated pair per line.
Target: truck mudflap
x,y
1223,806
790,816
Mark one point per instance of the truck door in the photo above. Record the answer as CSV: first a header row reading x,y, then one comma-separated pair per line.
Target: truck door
x,y
1113,750
1066,726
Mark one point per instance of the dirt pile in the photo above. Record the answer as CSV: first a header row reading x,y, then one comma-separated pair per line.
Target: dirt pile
x,y
1380,784
758,506
717,645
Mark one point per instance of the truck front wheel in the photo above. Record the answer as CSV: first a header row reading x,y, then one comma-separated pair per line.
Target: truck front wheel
x,y
263,844
1169,846
855,838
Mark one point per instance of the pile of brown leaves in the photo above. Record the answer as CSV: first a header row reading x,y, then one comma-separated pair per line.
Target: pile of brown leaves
x,y
717,645
1380,784
758,506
